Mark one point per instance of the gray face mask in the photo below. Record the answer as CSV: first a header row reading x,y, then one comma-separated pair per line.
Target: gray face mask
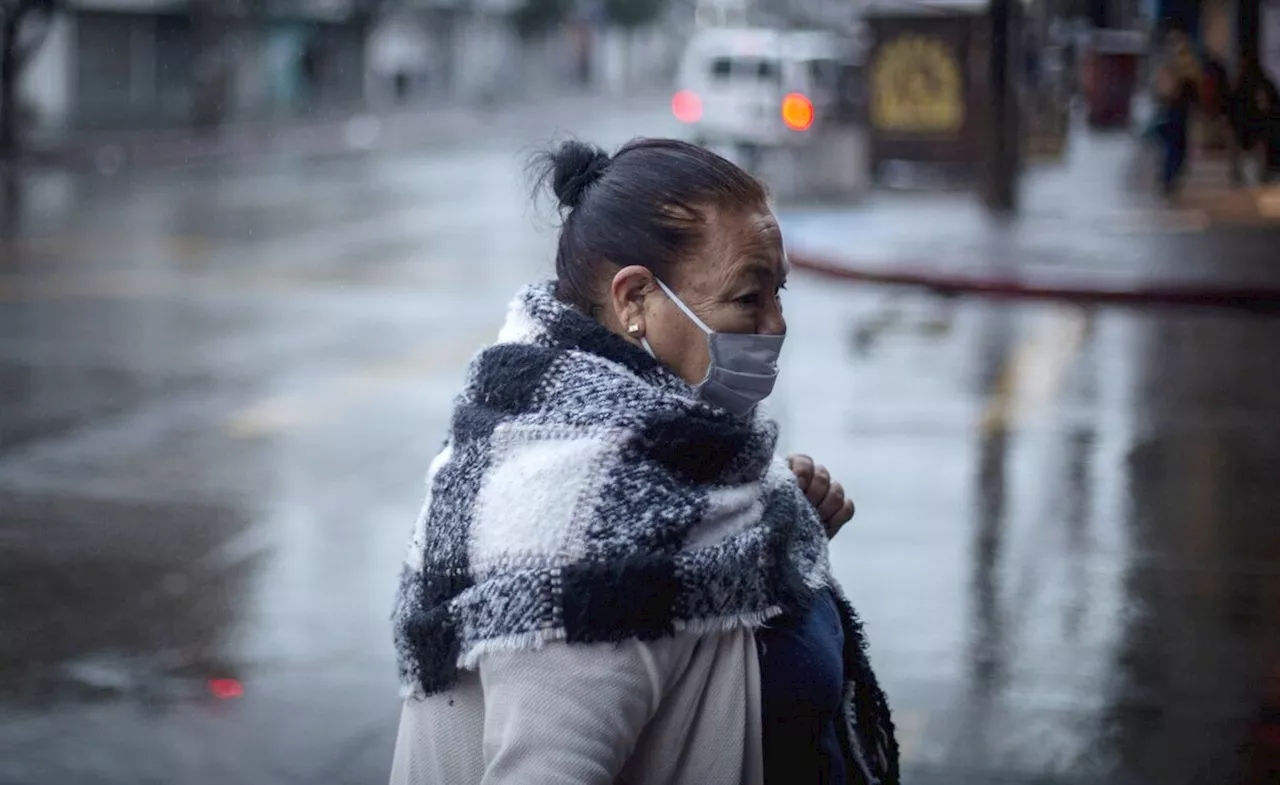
x,y
743,366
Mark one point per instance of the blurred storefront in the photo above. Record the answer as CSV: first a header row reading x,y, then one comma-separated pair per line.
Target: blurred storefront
x,y
133,63
432,51
429,51
128,64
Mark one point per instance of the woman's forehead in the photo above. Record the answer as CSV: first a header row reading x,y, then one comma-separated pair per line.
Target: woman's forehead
x,y
743,243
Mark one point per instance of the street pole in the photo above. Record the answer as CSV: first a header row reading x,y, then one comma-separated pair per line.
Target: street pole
x,y
1002,131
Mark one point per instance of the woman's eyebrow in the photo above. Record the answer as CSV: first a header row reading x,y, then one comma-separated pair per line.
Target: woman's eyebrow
x,y
762,271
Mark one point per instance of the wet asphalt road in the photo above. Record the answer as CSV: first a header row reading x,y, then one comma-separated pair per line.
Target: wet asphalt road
x,y
220,388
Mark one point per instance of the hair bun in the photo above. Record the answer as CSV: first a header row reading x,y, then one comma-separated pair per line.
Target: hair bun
x,y
575,166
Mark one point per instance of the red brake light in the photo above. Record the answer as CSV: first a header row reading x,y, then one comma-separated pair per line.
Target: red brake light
x,y
226,689
686,106
797,112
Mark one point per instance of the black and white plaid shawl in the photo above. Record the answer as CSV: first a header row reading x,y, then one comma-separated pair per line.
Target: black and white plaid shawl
x,y
585,494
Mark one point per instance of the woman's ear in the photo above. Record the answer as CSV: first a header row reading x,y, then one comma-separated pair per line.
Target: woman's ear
x,y
626,296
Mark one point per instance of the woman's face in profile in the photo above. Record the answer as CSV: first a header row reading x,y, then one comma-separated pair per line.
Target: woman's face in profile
x,y
733,285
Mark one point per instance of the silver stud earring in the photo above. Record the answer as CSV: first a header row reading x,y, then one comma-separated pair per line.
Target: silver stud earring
x,y
633,329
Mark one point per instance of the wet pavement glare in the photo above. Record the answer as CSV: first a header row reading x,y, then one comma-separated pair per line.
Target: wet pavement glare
x,y
220,389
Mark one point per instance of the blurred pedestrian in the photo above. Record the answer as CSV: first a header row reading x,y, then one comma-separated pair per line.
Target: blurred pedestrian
x,y
613,577
1177,89
1032,61
401,83
311,69
1215,102
1254,108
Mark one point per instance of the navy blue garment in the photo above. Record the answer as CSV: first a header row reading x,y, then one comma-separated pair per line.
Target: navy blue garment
x,y
801,685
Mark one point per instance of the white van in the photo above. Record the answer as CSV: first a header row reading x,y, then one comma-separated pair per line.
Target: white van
x,y
758,87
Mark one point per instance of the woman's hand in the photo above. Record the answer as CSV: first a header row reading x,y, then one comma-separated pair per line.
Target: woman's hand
x,y
825,495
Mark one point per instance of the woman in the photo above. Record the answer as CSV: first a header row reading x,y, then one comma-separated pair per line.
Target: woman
x,y
1177,88
613,579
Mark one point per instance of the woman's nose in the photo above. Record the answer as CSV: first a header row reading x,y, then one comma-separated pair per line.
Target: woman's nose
x,y
773,323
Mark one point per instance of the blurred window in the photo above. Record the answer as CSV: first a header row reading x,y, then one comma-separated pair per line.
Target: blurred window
x,y
824,75
768,71
850,93
746,68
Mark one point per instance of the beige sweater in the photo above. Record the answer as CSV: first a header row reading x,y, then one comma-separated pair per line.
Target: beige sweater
x,y
676,711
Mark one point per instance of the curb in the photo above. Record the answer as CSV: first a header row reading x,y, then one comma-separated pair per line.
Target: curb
x,y
1256,299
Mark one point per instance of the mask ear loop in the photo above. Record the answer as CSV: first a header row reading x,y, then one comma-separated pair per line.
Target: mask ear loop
x,y
686,309
644,342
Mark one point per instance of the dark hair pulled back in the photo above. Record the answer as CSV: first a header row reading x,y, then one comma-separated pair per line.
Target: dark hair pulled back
x,y
646,206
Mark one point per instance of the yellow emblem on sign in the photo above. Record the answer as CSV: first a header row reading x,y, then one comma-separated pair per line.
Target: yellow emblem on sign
x,y
916,87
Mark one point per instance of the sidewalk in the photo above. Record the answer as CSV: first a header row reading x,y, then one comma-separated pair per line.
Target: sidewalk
x,y
1089,229
110,152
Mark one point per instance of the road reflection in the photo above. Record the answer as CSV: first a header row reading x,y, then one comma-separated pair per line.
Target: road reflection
x,y
111,599
1204,579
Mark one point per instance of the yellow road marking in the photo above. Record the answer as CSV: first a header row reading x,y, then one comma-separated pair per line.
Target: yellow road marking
x,y
80,247
284,412
17,287
1269,202
1034,371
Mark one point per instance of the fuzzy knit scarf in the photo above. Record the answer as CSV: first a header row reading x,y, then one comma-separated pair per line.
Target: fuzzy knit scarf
x,y
585,494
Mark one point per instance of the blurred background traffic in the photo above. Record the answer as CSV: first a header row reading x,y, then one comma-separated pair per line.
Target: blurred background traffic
x,y
247,248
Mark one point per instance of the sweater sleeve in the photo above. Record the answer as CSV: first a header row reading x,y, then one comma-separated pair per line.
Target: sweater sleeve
x,y
571,715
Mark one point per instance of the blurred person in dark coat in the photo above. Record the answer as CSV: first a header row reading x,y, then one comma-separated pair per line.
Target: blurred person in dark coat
x,y
1254,110
1177,90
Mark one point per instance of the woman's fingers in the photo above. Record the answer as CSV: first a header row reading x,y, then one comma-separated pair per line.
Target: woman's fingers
x,y
802,467
826,496
845,515
831,505
819,486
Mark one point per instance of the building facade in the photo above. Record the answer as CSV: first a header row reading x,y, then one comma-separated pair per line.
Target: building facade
x,y
118,64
